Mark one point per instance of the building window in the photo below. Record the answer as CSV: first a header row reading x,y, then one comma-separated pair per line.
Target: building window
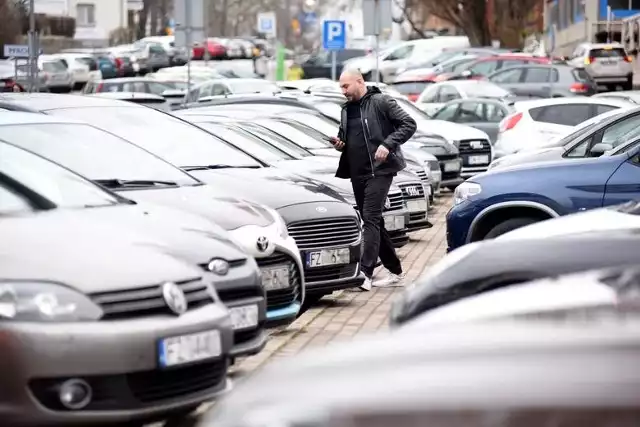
x,y
86,15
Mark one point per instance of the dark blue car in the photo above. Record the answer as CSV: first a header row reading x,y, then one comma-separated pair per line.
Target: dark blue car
x,y
496,202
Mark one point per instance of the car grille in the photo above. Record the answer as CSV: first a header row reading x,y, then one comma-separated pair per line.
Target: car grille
x,y
474,147
282,298
396,202
148,301
412,191
334,272
325,233
129,391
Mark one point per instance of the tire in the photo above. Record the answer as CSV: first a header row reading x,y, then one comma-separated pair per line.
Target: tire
x,y
509,225
629,83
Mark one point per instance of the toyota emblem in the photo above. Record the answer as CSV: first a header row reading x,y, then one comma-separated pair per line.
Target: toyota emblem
x,y
219,266
174,297
262,244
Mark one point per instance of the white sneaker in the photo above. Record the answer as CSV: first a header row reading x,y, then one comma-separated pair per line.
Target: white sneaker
x,y
366,285
392,280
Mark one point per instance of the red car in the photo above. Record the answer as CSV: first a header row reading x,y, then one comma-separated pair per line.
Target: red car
x,y
216,50
482,67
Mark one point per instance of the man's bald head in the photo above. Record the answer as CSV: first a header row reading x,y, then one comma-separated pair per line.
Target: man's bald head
x,y
352,85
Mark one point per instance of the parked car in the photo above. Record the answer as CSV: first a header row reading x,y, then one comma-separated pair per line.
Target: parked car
x,y
130,84
177,55
63,298
215,49
320,65
607,64
484,114
83,68
545,81
224,87
147,99
447,67
153,55
502,200
57,76
123,167
436,95
535,124
485,66
632,96
481,267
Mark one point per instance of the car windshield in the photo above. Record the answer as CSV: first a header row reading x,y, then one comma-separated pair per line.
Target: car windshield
x,y
92,152
246,142
292,133
252,86
51,181
276,140
322,124
173,139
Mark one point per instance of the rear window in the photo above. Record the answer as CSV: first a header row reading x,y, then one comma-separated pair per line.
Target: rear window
x,y
411,88
617,52
581,75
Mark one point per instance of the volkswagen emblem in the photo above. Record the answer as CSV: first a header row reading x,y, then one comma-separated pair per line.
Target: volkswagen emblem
x,y
321,209
262,244
476,145
218,266
387,203
174,297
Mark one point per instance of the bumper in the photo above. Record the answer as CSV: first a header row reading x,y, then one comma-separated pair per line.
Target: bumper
x,y
118,359
612,79
399,237
283,305
418,217
330,278
459,220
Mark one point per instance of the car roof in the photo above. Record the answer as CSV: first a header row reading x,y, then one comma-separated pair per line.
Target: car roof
x,y
50,101
23,118
128,95
527,105
481,100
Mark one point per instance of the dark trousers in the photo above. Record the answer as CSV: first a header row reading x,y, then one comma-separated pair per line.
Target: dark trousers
x,y
370,194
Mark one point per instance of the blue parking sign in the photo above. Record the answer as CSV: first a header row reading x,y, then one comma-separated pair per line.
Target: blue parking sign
x,y
334,35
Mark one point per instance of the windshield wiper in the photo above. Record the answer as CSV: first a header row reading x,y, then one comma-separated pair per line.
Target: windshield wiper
x,y
124,183
214,167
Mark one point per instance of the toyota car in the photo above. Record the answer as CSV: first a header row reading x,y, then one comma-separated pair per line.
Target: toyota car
x,y
129,170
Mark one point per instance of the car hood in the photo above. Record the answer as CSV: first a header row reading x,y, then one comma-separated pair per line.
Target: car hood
x,y
228,212
272,187
533,156
71,248
362,63
482,266
605,219
451,131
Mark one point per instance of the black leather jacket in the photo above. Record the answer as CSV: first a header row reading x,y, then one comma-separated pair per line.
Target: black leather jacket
x,y
384,122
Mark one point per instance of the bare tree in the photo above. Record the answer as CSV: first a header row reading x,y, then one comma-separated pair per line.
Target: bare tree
x,y
511,17
11,28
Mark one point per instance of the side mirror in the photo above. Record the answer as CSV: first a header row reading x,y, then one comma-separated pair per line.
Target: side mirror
x,y
599,149
466,73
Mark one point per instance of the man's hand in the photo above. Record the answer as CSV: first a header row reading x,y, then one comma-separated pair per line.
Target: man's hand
x,y
337,144
381,153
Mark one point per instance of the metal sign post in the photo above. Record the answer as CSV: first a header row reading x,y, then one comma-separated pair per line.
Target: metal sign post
x,y
376,18
334,38
189,16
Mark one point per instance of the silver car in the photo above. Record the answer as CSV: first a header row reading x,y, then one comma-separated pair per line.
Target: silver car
x,y
56,75
607,64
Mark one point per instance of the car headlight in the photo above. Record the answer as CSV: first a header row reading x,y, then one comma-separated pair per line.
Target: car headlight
x,y
280,224
466,190
29,301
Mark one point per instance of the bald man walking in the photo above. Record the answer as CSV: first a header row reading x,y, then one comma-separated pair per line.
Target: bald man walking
x,y
372,129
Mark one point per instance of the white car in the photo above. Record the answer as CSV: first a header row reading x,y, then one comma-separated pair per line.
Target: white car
x,y
535,124
399,57
567,292
82,67
436,95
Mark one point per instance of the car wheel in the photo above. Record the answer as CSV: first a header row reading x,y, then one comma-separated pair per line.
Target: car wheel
x,y
509,225
629,83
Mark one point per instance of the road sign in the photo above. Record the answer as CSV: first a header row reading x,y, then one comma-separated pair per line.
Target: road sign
x,y
376,16
17,51
334,35
267,23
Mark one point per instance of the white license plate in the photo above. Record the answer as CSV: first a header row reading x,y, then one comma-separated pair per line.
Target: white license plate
x,y
328,257
416,205
190,348
274,278
394,223
451,166
243,317
478,160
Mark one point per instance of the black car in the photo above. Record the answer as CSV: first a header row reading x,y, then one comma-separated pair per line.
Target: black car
x,y
320,65
545,81
488,265
129,170
325,228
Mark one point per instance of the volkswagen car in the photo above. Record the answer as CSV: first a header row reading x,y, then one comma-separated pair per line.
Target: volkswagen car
x,y
129,170
325,228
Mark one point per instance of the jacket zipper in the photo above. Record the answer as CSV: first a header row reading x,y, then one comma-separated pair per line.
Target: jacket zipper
x,y
365,128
